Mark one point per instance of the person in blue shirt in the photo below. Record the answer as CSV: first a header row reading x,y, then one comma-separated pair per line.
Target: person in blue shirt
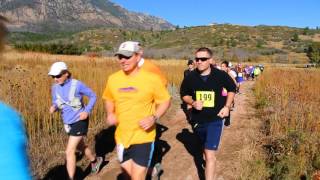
x,y
67,97
14,163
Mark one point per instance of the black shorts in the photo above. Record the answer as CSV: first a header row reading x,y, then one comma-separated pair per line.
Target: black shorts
x,y
79,128
141,154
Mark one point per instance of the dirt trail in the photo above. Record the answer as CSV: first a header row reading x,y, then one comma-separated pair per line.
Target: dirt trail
x,y
179,162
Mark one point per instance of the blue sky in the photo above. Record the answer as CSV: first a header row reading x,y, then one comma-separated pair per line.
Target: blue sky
x,y
303,13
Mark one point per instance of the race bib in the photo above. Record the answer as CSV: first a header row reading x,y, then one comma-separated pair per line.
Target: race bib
x,y
207,97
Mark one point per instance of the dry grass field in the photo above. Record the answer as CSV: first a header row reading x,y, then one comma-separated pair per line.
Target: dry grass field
x,y
289,102
26,86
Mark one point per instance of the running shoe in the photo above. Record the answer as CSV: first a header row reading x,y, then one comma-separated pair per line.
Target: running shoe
x,y
157,170
95,167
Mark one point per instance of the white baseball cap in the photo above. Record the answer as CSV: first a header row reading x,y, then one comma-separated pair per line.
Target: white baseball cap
x,y
56,68
128,48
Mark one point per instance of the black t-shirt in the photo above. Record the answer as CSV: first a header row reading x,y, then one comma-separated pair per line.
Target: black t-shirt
x,y
186,72
209,91
204,78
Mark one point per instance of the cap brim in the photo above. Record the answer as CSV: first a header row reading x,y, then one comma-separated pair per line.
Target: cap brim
x,y
125,53
53,73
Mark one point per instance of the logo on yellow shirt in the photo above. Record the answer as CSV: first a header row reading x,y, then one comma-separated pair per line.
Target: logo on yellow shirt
x,y
128,89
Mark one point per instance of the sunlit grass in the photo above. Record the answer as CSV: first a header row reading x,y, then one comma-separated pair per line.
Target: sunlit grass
x,y
25,85
290,102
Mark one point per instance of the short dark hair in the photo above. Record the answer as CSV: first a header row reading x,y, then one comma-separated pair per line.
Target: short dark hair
x,y
205,49
66,71
226,63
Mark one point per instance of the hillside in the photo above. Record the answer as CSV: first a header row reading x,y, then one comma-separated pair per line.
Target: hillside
x,y
237,43
74,15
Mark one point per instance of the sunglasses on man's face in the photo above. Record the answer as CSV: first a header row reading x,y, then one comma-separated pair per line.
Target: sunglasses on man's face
x,y
120,56
57,76
197,59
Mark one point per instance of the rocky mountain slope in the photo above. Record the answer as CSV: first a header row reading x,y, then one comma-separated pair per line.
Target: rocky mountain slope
x,y
74,15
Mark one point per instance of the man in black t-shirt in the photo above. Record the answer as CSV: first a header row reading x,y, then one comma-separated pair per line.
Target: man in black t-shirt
x,y
202,89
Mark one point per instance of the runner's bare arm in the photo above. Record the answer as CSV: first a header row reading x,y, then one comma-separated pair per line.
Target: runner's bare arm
x,y
188,99
83,115
196,104
230,98
224,112
52,109
110,109
149,121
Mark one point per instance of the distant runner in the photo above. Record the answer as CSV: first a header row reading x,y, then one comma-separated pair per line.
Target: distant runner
x,y
239,78
225,68
191,67
184,106
256,71
150,67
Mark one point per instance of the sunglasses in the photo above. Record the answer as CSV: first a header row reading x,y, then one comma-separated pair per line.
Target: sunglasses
x,y
197,59
120,56
57,76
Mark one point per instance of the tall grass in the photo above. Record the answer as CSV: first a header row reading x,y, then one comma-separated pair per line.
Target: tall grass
x,y
289,104
26,86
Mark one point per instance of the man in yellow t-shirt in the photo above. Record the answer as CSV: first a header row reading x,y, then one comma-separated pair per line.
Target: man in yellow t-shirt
x,y
130,95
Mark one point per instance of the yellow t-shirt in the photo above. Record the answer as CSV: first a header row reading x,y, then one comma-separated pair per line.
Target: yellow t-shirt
x,y
134,97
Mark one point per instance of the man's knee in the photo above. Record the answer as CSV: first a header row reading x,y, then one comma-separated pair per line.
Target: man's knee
x,y
138,172
210,156
126,167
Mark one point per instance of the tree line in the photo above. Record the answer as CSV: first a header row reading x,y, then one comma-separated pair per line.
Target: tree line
x,y
53,48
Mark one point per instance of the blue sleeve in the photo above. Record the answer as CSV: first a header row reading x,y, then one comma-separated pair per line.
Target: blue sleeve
x,y
14,161
86,91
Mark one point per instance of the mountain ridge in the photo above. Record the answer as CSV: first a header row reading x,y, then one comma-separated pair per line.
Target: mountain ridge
x,y
74,15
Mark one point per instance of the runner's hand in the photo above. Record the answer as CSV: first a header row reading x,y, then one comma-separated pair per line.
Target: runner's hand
x,y
198,105
224,112
111,119
147,122
52,109
84,115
